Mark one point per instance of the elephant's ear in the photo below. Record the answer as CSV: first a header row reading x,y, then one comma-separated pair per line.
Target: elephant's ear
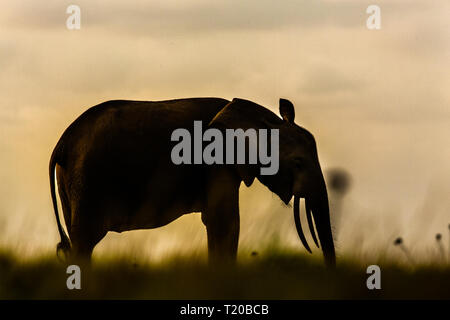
x,y
240,114
287,110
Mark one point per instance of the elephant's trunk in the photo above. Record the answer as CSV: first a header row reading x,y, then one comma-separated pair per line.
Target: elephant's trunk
x,y
318,204
321,213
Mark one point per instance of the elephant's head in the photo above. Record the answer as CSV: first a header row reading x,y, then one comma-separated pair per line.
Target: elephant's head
x,y
299,174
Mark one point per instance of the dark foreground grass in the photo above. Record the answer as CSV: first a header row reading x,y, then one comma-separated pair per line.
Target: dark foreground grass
x,y
270,276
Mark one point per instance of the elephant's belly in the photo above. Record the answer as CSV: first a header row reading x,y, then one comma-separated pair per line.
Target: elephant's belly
x,y
149,216
161,196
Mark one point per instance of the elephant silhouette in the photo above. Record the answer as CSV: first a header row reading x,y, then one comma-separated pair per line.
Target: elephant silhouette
x,y
114,172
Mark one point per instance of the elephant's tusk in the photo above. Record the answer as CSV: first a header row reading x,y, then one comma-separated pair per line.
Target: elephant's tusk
x,y
298,224
310,222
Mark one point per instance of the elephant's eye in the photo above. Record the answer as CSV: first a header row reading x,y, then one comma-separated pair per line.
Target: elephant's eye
x,y
299,162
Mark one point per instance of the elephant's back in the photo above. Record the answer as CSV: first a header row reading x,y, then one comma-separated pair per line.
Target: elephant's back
x,y
119,126
167,113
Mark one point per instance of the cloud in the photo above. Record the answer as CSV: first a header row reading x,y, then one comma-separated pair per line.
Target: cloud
x,y
162,18
327,80
169,17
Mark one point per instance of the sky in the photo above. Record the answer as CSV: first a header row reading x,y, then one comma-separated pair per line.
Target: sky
x,y
377,102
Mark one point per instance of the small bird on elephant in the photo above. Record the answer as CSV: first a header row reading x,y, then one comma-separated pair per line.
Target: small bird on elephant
x,y
114,172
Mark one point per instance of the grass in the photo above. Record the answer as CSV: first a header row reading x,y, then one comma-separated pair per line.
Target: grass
x,y
269,275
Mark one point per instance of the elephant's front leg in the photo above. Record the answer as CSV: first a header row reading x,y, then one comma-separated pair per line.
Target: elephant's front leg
x,y
222,227
221,216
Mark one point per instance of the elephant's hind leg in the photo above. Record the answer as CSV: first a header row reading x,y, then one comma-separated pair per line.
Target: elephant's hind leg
x,y
85,233
84,239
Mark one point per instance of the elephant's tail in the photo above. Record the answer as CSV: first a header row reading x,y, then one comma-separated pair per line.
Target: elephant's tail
x,y
64,245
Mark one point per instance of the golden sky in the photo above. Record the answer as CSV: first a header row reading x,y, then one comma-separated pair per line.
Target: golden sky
x,y
378,101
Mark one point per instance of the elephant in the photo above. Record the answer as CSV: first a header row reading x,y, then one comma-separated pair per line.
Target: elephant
x,y
114,173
